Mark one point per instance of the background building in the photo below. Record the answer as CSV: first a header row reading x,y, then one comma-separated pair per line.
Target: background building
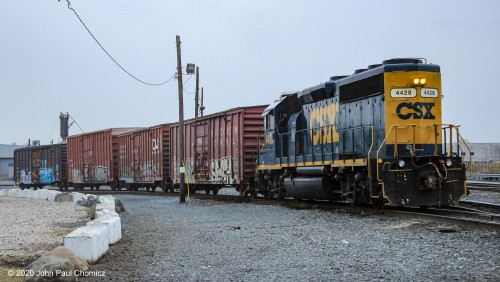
x,y
7,162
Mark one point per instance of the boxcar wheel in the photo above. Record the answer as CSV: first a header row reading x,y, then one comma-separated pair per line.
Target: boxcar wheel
x,y
207,191
215,191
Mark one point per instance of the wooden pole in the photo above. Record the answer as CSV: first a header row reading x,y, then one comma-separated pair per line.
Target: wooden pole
x,y
202,107
196,96
180,131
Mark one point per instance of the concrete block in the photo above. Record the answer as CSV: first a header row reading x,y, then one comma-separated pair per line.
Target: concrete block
x,y
30,193
23,194
13,193
88,242
41,194
78,197
51,195
64,197
3,192
114,226
106,212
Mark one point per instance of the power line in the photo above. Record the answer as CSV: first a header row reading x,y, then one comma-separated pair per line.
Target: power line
x,y
118,64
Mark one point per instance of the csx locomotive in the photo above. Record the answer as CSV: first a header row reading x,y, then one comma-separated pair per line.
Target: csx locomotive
x,y
372,137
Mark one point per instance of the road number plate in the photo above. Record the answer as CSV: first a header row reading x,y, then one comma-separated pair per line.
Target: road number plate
x,y
429,93
403,92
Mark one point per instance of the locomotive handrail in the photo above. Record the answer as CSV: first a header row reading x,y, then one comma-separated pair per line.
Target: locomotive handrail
x,y
459,147
468,149
396,143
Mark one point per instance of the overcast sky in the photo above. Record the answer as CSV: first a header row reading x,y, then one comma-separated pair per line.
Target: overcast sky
x,y
248,53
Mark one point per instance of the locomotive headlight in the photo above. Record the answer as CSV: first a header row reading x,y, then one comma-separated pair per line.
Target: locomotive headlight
x,y
448,163
401,163
419,81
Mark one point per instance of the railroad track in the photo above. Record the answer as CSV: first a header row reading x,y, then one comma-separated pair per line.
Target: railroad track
x,y
468,213
483,186
462,216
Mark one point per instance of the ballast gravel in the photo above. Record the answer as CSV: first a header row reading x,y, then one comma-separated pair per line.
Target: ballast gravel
x,y
484,196
30,227
208,240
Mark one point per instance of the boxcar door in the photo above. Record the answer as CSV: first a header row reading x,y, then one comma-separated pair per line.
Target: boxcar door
x,y
201,152
87,158
136,158
35,166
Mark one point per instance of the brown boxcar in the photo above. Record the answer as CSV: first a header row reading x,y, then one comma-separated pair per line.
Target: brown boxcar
x,y
220,149
40,165
144,158
93,158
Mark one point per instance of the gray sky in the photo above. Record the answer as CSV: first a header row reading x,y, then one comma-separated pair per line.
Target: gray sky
x,y
248,53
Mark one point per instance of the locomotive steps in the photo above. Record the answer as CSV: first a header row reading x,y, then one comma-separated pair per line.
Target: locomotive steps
x,y
88,242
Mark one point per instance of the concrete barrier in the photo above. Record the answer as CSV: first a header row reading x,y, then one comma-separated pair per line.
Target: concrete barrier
x,y
64,197
51,195
88,242
114,226
38,194
78,197
105,212
23,194
13,192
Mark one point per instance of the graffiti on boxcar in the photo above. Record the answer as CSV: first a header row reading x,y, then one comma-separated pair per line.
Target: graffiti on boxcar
x,y
222,170
101,174
76,176
126,174
25,176
148,171
47,175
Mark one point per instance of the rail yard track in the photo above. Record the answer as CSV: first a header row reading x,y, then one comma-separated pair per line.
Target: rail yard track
x,y
468,213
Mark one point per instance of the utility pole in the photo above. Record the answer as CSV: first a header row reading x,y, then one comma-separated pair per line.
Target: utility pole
x,y
196,97
180,131
202,107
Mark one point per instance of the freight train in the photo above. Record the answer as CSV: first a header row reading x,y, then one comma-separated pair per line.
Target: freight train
x,y
220,150
372,137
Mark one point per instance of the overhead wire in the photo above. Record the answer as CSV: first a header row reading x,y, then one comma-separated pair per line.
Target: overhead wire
x,y
109,55
184,89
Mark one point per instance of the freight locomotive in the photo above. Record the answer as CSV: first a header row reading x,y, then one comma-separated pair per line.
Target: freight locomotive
x,y
372,137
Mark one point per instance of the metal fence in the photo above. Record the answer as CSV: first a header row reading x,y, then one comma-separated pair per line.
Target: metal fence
x,y
483,167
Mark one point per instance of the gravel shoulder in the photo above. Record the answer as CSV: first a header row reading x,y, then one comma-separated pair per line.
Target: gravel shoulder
x,y
219,241
484,196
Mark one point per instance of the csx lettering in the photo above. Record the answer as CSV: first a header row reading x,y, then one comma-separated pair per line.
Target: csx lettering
x,y
418,110
321,124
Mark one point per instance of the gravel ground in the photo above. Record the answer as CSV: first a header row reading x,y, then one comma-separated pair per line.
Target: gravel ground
x,y
219,241
484,196
29,227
